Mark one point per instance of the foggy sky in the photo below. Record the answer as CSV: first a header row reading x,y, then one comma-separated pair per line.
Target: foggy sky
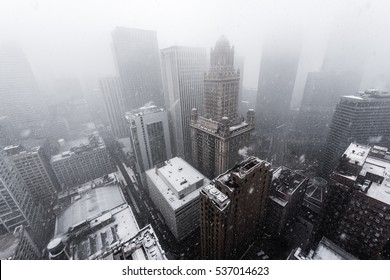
x,y
72,38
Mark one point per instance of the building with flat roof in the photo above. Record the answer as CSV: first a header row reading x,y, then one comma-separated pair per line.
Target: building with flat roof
x,y
325,250
174,188
82,160
149,137
36,171
286,195
18,246
232,208
95,222
357,214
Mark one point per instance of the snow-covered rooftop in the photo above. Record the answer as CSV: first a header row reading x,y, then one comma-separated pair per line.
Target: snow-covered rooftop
x,y
89,203
98,222
177,181
284,184
327,250
217,196
357,154
238,126
374,168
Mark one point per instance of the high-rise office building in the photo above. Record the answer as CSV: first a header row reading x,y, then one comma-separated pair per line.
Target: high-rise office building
x,y
363,118
17,206
115,108
278,70
220,134
183,71
20,99
232,207
150,138
36,171
357,213
82,160
138,62
174,188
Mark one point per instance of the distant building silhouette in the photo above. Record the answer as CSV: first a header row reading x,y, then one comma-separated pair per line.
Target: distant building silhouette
x,y
138,62
111,88
19,94
278,69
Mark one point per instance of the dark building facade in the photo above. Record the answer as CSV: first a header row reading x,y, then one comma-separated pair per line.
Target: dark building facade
x,y
232,208
357,214
286,196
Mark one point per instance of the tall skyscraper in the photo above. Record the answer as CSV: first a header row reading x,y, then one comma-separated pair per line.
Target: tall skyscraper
x,y
278,70
221,136
20,99
138,63
36,172
17,206
149,137
183,71
357,213
232,207
115,108
364,118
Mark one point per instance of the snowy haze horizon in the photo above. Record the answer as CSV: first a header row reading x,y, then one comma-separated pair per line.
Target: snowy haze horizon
x,y
73,38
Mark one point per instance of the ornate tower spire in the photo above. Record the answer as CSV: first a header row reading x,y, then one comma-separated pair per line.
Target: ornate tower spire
x,y
222,83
